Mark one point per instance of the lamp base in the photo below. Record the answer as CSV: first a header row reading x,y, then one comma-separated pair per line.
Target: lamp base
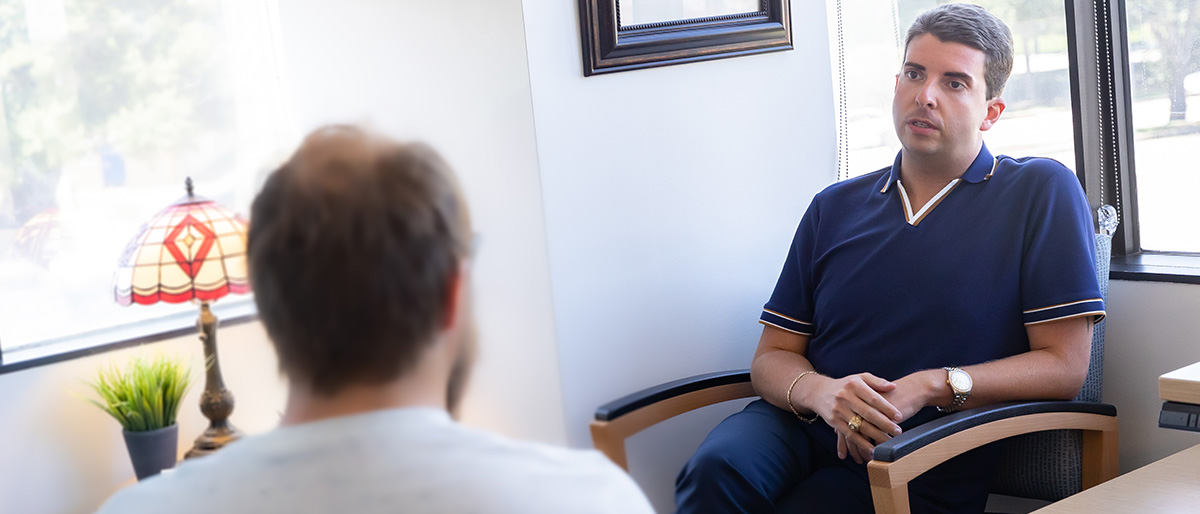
x,y
216,402
212,439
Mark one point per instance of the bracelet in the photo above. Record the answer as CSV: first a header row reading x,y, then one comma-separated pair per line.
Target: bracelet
x,y
789,398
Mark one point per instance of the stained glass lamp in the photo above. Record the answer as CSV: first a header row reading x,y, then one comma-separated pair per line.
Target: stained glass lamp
x,y
193,250
40,238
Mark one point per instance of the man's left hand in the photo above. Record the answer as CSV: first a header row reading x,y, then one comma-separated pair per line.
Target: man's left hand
x,y
914,392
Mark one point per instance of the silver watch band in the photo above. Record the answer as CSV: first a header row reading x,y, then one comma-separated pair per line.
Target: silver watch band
x,y
959,397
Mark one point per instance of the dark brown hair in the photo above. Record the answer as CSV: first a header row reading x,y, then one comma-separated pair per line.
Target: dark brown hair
x,y
973,26
353,248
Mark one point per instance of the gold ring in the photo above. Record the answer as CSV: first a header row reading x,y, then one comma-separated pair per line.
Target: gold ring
x,y
855,422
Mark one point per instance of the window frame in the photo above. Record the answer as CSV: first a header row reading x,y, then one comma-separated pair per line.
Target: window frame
x,y
231,311
1104,137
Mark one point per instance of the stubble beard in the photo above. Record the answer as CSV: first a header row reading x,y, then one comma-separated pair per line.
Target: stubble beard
x,y
464,362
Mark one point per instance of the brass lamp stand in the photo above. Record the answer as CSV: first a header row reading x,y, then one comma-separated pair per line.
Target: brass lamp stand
x,y
216,402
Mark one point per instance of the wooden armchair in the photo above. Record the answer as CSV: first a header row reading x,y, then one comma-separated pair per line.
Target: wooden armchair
x,y
1056,448
895,462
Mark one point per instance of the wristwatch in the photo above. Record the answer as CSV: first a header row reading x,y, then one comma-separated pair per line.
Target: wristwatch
x,y
960,383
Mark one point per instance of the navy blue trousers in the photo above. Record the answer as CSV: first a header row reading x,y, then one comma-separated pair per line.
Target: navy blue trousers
x,y
763,460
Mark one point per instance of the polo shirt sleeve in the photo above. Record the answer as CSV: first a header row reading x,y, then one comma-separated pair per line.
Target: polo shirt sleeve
x,y
791,305
1058,268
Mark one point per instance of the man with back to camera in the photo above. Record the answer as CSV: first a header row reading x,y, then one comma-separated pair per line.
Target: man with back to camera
x,y
359,252
951,279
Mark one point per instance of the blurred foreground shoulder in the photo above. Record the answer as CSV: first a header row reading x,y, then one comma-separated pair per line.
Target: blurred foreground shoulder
x,y
554,479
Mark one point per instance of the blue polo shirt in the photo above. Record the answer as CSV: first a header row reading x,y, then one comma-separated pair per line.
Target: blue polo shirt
x,y
882,289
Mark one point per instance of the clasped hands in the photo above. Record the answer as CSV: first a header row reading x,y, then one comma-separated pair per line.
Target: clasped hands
x,y
880,403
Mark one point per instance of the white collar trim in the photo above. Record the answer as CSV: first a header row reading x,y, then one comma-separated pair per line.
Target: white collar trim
x,y
912,218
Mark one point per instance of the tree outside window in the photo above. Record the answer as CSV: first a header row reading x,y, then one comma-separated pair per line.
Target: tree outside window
x,y
106,106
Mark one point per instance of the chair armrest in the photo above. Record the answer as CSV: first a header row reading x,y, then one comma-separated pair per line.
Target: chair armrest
x,y
629,403
898,461
922,436
617,420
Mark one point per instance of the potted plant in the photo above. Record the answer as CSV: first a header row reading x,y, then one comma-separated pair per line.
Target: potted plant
x,y
145,398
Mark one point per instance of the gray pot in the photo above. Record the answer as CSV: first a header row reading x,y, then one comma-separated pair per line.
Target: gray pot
x,y
152,451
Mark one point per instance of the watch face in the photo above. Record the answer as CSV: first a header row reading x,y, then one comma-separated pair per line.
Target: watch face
x,y
960,380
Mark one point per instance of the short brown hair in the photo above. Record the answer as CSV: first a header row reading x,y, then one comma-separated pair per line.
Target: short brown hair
x,y
353,248
973,26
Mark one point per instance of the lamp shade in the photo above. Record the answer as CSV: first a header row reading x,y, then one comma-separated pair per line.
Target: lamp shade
x,y
40,238
192,250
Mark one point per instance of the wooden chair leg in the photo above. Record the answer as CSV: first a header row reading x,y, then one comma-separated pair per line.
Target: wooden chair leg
x,y
889,497
610,444
1099,455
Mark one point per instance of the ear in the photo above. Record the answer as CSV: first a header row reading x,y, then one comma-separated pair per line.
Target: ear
x,y
995,107
454,301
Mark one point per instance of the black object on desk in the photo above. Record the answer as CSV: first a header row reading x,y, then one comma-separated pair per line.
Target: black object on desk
x,y
1182,416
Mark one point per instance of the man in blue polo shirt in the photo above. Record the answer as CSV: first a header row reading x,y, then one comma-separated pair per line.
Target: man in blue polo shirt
x,y
953,278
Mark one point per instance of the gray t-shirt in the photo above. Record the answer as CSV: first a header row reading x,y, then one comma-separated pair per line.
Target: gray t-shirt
x,y
413,460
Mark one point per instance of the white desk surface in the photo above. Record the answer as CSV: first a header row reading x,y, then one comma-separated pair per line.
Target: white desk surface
x,y
1167,486
1181,385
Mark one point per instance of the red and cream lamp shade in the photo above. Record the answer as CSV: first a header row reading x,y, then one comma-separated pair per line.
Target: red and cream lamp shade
x,y
40,238
191,250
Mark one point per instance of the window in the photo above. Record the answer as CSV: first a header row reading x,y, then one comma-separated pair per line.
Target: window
x,y
105,108
1037,120
1102,86
1164,79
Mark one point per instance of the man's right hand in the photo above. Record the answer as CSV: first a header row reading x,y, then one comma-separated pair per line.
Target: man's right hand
x,y
779,360
837,401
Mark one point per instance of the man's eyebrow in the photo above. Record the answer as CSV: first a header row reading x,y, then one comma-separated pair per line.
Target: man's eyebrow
x,y
952,74
960,75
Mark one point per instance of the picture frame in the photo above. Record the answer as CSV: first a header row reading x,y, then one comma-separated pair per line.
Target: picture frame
x,y
609,47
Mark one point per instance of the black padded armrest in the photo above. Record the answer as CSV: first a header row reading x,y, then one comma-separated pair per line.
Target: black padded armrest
x,y
932,431
626,404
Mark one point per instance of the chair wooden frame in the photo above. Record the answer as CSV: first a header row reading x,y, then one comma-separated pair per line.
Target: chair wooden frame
x,y
896,462
616,421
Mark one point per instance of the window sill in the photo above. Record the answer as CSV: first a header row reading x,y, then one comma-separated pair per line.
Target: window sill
x,y
145,332
1178,268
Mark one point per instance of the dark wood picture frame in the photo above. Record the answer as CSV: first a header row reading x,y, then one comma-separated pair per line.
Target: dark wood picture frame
x,y
609,47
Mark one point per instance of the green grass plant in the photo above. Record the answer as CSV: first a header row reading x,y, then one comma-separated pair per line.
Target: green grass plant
x,y
145,395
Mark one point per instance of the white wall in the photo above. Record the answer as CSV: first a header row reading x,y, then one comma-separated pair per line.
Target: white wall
x,y
1151,329
671,195
59,454
452,74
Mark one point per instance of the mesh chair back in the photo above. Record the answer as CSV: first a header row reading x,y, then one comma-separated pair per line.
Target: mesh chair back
x,y
1048,465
